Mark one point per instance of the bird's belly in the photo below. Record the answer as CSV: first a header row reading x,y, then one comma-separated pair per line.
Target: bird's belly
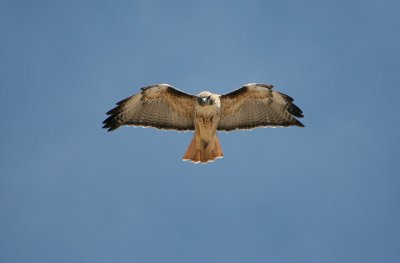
x,y
207,126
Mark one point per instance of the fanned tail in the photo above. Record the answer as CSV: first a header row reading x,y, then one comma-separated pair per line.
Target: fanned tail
x,y
199,152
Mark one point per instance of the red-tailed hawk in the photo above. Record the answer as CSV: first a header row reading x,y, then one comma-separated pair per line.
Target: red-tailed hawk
x,y
164,107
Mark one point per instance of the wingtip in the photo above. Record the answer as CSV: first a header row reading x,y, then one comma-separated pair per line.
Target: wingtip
x,y
299,124
109,127
110,124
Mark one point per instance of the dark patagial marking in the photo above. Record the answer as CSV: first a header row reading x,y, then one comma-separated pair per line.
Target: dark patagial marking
x,y
170,90
242,90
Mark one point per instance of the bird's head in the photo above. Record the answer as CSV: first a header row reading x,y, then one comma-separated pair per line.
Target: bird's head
x,y
206,98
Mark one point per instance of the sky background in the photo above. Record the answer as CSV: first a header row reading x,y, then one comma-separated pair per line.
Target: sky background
x,y
71,192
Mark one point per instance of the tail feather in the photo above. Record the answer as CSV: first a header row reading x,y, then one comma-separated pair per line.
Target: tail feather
x,y
201,153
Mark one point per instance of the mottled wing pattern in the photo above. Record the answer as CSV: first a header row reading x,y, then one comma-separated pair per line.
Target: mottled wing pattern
x,y
160,106
256,105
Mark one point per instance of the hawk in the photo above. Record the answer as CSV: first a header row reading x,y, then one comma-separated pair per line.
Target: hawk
x,y
165,107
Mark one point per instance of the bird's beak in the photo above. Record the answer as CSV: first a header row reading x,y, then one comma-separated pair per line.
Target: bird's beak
x,y
202,101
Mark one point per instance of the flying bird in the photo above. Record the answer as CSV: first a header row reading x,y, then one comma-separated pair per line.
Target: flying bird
x,y
165,107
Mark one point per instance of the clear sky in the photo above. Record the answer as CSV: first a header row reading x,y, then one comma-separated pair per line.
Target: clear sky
x,y
71,192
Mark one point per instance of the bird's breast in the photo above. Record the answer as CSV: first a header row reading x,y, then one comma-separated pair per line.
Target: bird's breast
x,y
210,113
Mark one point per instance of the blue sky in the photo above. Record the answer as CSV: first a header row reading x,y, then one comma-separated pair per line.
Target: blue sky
x,y
71,192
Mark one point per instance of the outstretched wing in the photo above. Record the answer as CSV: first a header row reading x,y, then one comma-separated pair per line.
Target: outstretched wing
x,y
256,105
160,106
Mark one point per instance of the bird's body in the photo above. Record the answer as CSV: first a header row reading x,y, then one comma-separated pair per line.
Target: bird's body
x,y
164,107
205,143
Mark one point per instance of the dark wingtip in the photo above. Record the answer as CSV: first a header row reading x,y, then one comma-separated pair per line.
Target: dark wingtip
x,y
109,129
294,110
111,123
299,124
113,111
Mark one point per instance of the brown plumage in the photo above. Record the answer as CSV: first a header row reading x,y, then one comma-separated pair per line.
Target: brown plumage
x,y
164,107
